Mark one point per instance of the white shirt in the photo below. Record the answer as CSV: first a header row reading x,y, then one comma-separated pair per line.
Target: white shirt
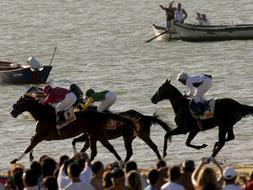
x,y
86,174
79,186
179,15
172,186
190,83
232,187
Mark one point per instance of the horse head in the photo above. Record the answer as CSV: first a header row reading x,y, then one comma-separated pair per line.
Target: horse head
x,y
166,91
28,103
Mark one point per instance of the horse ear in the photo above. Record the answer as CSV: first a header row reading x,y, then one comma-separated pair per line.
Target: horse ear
x,y
167,81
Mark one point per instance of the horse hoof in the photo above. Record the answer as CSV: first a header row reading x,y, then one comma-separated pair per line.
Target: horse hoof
x,y
204,145
14,161
164,155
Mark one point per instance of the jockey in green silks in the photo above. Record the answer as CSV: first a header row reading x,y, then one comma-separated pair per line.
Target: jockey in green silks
x,y
106,97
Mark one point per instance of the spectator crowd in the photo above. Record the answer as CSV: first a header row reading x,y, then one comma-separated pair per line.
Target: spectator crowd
x,y
79,173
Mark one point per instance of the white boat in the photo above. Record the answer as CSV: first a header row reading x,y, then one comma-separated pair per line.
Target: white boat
x,y
193,32
167,36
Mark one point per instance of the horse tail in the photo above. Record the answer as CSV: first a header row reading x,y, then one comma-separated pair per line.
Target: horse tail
x,y
155,120
247,110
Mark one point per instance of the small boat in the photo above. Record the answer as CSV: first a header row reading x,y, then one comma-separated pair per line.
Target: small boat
x,y
31,72
15,73
166,36
194,32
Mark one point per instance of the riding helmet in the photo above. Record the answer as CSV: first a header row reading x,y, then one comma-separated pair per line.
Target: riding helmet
x,y
47,88
89,92
182,76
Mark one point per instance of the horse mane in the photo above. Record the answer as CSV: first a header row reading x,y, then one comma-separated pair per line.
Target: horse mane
x,y
37,110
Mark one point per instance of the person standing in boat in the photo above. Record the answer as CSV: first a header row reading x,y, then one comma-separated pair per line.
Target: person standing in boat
x,y
170,13
205,21
180,14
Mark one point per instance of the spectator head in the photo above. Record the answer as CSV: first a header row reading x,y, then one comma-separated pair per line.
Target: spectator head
x,y
130,165
36,167
107,179
50,183
97,167
66,163
48,166
207,179
229,174
134,180
16,168
62,159
29,178
174,173
153,176
160,164
163,172
188,166
74,170
118,176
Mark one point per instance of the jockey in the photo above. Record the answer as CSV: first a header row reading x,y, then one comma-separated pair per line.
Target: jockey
x,y
197,85
62,97
106,97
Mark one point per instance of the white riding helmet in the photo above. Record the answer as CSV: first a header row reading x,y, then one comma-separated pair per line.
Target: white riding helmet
x,y
182,76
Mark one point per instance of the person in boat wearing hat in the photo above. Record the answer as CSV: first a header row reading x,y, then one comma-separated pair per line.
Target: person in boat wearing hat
x,y
63,98
106,97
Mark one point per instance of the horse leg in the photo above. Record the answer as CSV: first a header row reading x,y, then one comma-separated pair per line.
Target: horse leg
x,y
220,143
36,139
93,148
106,144
83,138
176,131
190,137
129,150
151,144
231,135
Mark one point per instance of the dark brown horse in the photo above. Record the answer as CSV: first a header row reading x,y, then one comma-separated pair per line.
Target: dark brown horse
x,y
92,122
227,113
143,124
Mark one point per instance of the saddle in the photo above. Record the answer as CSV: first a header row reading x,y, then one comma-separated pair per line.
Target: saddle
x,y
202,110
65,117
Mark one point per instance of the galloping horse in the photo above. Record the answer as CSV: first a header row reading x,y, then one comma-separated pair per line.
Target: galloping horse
x,y
143,124
92,122
227,113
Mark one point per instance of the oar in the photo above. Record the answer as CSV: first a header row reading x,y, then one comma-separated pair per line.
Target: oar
x,y
157,36
53,56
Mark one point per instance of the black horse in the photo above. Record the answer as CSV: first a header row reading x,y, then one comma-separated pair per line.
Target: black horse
x,y
227,113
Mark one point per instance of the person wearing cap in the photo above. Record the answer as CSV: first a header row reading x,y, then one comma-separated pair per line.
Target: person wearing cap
x,y
106,97
63,98
197,86
229,177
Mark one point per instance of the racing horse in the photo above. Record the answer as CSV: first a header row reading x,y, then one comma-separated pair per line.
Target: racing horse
x,y
227,113
143,123
92,122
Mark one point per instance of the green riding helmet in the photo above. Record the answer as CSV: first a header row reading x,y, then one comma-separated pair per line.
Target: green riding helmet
x,y
89,92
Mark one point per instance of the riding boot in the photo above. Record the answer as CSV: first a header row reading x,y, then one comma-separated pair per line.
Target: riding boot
x,y
200,108
60,117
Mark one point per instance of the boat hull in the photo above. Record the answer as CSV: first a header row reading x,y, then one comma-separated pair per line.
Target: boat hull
x,y
172,35
191,32
25,75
